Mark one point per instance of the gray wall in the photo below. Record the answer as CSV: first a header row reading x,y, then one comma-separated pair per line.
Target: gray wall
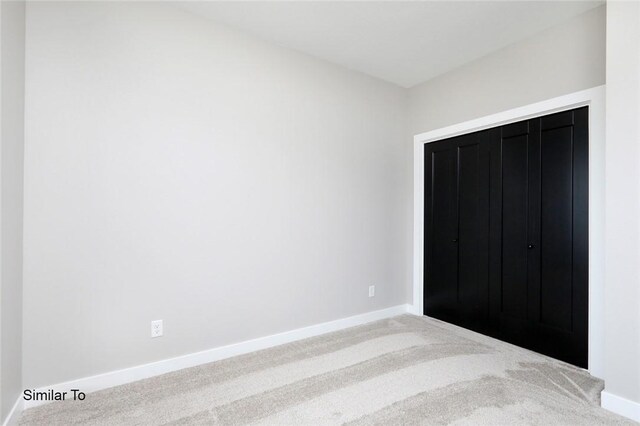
x,y
561,60
11,172
181,171
622,302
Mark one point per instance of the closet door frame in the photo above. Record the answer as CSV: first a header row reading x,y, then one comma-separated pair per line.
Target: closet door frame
x,y
593,98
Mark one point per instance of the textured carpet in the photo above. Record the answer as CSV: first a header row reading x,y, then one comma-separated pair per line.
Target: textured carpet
x,y
404,370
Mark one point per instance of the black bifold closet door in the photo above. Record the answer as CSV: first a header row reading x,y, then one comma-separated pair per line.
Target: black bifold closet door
x,y
506,233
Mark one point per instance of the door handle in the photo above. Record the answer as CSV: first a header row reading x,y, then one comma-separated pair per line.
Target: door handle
x,y
455,240
530,246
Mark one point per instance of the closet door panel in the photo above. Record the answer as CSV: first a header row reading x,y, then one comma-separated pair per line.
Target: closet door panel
x,y
533,219
469,232
441,263
514,196
495,231
562,326
556,230
473,230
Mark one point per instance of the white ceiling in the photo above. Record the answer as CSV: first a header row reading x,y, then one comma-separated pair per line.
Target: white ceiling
x,y
405,43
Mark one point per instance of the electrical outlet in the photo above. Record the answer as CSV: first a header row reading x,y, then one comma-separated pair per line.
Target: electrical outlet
x,y
372,290
156,328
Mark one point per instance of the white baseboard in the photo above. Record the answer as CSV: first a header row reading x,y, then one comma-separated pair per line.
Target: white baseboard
x,y
132,374
14,414
414,310
620,405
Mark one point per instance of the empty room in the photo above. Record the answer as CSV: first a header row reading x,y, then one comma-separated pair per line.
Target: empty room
x,y
319,212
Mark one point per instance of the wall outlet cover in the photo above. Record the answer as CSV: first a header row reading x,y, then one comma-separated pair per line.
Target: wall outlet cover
x,y
156,328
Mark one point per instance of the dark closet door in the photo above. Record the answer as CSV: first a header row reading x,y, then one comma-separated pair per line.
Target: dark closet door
x,y
457,229
539,238
506,233
513,223
441,252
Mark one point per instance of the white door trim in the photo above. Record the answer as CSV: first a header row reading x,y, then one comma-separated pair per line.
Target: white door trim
x,y
595,99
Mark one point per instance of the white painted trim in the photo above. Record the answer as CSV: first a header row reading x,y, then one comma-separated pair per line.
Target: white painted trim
x,y
128,375
14,414
620,405
595,99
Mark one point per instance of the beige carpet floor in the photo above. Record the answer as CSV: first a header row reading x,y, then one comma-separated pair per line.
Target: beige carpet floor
x,y
403,370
